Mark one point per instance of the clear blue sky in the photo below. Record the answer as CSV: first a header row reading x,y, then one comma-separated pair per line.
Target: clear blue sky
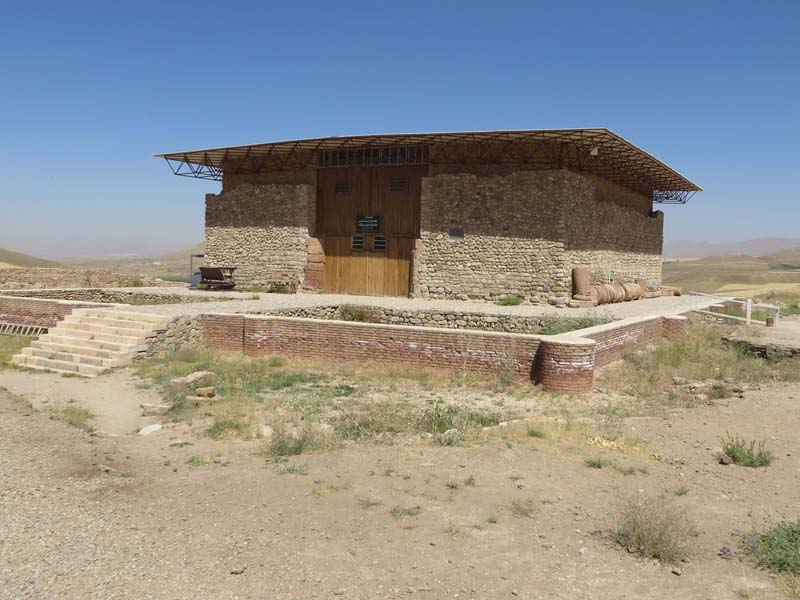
x,y
90,90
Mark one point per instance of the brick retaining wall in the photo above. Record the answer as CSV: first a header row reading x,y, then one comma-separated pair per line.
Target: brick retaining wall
x,y
564,362
37,311
422,346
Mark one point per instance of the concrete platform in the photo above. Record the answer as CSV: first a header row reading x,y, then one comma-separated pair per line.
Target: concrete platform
x,y
780,341
265,303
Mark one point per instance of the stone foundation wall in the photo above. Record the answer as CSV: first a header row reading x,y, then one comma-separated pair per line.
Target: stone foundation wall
x,y
115,296
262,230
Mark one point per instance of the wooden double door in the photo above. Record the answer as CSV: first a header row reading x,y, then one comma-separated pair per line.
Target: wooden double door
x,y
367,219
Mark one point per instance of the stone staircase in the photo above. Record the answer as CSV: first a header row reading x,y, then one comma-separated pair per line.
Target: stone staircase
x,y
92,340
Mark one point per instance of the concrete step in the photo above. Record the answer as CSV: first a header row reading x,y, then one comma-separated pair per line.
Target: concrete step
x,y
66,329
49,364
83,350
108,313
115,323
107,363
64,338
95,328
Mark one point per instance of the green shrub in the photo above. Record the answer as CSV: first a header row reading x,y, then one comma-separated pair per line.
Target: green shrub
x,y
777,549
654,527
535,432
72,415
360,314
509,300
220,428
747,454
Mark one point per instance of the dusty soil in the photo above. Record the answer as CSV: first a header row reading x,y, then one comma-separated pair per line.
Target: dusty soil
x,y
321,525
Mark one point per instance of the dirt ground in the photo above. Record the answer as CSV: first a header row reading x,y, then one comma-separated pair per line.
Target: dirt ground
x,y
377,521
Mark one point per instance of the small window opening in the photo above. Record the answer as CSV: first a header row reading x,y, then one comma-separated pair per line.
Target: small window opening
x,y
379,243
357,242
398,185
456,233
343,187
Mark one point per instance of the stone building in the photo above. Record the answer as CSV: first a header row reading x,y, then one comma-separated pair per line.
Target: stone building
x,y
474,215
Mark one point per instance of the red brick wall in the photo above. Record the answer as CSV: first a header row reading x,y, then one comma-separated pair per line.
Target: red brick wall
x,y
422,346
225,332
36,311
566,366
612,344
560,363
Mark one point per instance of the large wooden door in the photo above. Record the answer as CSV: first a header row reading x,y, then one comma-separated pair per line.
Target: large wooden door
x,y
367,218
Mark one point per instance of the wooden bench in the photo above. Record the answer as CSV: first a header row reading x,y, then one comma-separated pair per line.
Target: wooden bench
x,y
217,278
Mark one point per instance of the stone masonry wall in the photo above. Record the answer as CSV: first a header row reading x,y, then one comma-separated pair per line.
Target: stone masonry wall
x,y
525,231
262,230
610,231
513,235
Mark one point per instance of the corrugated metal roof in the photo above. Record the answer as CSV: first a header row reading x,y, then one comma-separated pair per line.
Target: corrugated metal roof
x,y
594,150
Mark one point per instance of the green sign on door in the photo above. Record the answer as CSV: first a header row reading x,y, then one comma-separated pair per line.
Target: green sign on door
x,y
367,223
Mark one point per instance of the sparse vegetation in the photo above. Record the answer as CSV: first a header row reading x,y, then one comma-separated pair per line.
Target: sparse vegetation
x,y
556,325
682,489
535,432
747,454
510,300
398,512
597,463
361,314
492,520
11,345
368,503
654,527
221,428
777,549
700,355
601,463
523,507
73,415
196,461
286,468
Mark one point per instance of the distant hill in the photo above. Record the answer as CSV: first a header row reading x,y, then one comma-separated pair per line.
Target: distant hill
x,y
171,267
700,249
10,259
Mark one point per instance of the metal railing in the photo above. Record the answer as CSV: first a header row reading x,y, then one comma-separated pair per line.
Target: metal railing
x,y
699,304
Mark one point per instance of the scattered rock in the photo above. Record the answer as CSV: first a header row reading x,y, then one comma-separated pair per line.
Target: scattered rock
x,y
106,469
726,552
238,570
676,571
194,379
197,400
680,381
220,460
724,459
154,410
267,432
103,434
150,429
206,392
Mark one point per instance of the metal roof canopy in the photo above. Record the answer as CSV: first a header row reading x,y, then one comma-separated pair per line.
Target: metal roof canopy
x,y
598,151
